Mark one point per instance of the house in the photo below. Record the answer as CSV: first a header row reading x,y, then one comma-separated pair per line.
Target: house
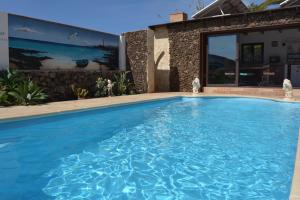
x,y
229,48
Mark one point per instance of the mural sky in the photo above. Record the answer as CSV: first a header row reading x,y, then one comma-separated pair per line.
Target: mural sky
x,y
52,32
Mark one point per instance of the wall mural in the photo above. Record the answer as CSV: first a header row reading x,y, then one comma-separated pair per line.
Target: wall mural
x,y
37,44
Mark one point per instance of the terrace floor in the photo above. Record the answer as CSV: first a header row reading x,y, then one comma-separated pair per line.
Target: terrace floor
x,y
15,112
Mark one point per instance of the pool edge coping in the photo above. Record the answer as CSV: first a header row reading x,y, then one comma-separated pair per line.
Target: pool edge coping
x,y
295,187
277,99
78,108
83,109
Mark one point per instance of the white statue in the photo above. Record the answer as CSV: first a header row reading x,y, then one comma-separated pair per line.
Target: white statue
x,y
196,85
288,88
110,86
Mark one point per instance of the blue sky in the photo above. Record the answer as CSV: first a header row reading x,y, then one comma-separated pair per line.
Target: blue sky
x,y
114,16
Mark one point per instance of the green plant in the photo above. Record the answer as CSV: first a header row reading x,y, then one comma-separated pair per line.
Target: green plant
x,y
264,5
10,79
27,93
3,98
79,93
15,89
101,87
122,83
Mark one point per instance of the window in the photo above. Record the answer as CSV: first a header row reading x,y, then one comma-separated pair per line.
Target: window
x,y
253,53
222,56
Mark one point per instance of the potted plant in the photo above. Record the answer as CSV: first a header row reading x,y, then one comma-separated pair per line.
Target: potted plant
x,y
123,85
79,93
101,87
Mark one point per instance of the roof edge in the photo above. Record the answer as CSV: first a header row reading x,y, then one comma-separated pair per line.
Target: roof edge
x,y
284,2
212,4
205,8
224,16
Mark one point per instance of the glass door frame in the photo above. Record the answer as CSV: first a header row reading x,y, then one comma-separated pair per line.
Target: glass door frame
x,y
237,61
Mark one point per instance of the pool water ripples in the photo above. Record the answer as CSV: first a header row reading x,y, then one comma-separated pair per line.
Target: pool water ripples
x,y
187,148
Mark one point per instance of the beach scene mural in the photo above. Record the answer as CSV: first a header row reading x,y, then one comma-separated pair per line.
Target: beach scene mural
x,y
37,45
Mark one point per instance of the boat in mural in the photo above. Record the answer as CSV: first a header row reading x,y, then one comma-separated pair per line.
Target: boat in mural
x,y
32,54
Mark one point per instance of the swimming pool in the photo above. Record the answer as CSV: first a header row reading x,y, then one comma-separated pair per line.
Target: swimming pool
x,y
184,148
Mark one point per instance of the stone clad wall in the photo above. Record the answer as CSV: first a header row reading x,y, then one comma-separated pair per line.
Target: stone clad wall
x,y
57,83
243,21
136,50
185,39
185,45
184,58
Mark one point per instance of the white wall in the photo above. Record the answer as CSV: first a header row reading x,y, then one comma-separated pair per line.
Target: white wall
x,y
4,53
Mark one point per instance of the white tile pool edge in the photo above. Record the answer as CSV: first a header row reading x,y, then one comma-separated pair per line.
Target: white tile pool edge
x,y
23,112
19,112
83,109
295,189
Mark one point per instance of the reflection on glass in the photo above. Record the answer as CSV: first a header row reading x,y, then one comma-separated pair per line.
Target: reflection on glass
x,y
222,52
251,66
246,54
265,75
258,53
254,71
252,54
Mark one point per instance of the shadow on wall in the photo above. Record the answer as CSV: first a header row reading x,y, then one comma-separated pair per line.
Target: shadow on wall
x,y
174,79
162,81
161,55
162,77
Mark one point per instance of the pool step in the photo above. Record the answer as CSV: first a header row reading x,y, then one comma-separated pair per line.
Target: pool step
x,y
250,91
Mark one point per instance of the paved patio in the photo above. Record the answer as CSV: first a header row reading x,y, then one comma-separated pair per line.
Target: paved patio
x,y
63,106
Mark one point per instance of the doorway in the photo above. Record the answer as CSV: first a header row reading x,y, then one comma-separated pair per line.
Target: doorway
x,y
222,65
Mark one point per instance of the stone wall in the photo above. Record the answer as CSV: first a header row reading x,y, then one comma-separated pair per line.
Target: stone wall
x,y
57,83
184,58
136,50
185,41
185,44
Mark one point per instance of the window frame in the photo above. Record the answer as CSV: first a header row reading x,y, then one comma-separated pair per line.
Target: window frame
x,y
237,46
252,54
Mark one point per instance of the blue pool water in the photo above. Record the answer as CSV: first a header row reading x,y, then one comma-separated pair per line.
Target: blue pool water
x,y
183,148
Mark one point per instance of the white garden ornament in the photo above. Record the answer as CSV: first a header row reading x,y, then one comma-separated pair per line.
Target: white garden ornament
x,y
196,85
109,88
288,89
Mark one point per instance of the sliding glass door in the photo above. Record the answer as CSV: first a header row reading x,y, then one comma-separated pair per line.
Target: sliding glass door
x,y
222,60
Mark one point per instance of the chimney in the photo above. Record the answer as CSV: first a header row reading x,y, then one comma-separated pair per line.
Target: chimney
x,y
178,17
